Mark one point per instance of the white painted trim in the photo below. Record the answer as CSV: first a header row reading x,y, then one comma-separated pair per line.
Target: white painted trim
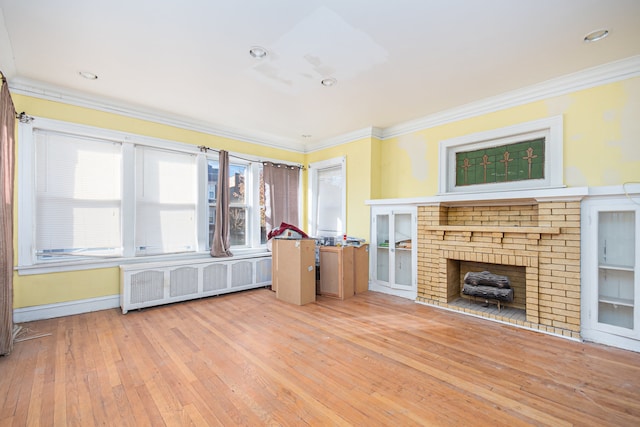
x,y
550,128
127,218
390,286
61,309
628,189
25,178
402,293
57,267
607,199
370,132
611,340
27,262
312,190
499,197
37,89
81,130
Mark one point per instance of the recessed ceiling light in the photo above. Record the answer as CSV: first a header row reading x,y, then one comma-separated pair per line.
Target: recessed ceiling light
x,y
258,52
87,75
329,81
596,35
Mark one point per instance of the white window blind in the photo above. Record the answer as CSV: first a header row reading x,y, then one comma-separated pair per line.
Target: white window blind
x,y
88,192
329,208
78,196
166,200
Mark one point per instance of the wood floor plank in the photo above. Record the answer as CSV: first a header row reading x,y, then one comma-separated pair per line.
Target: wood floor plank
x,y
390,351
378,372
578,415
250,359
37,387
59,331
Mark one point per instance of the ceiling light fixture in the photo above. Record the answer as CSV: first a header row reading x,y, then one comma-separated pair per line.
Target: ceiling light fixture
x,y
596,35
87,75
329,81
258,52
306,135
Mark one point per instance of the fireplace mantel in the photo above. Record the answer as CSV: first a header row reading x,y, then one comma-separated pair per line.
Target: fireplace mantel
x,y
496,231
491,198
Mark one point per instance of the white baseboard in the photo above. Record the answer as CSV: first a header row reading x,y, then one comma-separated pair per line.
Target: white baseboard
x,y
50,311
604,338
412,294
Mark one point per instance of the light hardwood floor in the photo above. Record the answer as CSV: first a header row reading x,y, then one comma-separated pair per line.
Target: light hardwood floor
x,y
249,359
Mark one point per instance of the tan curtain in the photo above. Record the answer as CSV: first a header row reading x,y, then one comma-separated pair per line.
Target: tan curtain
x,y
7,143
281,194
220,243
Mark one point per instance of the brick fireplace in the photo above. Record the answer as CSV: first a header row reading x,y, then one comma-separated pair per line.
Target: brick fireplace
x,y
536,243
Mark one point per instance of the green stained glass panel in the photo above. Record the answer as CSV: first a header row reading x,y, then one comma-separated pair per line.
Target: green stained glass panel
x,y
519,161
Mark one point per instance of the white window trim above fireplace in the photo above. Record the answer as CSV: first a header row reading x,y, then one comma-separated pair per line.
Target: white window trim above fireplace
x,y
551,128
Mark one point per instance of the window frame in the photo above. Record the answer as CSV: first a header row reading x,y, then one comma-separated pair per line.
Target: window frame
x,y
71,149
313,192
251,203
27,262
168,156
552,130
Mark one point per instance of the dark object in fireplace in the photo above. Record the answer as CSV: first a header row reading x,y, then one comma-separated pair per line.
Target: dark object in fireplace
x,y
488,286
488,279
488,292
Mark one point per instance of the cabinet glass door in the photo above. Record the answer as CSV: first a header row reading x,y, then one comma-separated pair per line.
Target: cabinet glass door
x,y
402,245
382,249
616,269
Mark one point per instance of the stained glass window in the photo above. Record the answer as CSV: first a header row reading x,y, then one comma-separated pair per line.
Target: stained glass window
x,y
518,161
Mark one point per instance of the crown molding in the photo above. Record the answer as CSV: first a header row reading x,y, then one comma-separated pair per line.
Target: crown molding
x,y
369,132
591,77
37,89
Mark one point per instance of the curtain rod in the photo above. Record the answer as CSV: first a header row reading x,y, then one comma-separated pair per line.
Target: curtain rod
x,y
204,149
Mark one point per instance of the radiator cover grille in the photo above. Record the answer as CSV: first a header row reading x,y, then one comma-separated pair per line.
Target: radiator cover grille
x,y
150,284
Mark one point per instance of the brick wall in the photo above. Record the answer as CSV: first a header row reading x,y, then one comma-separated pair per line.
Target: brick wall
x,y
519,216
543,238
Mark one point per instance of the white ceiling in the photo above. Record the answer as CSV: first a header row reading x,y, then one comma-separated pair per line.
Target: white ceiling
x,y
395,61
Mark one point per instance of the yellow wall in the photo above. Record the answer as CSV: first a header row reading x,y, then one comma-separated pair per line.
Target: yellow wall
x,y
40,289
601,140
601,147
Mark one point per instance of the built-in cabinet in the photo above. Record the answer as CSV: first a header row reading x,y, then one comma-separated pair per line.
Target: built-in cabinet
x,y
610,272
393,250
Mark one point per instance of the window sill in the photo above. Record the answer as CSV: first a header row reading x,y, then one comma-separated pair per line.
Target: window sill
x,y
94,264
